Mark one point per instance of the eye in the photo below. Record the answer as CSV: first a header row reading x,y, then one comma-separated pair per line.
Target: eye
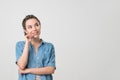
x,y
29,27
36,24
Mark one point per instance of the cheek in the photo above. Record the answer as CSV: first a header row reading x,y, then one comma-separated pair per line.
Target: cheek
x,y
39,32
28,31
39,29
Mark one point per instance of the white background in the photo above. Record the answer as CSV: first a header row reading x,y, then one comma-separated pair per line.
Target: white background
x,y
85,33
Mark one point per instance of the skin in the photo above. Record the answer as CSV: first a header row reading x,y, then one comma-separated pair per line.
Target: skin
x,y
33,30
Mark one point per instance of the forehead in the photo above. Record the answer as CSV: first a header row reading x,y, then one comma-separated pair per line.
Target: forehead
x,y
31,21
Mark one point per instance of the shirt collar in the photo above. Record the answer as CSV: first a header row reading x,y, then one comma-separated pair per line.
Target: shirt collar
x,y
42,42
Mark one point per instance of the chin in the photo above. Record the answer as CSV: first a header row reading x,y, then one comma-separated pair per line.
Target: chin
x,y
36,36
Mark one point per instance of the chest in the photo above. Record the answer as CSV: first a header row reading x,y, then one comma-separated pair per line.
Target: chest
x,y
39,58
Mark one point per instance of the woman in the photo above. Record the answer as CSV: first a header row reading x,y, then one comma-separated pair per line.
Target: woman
x,y
35,58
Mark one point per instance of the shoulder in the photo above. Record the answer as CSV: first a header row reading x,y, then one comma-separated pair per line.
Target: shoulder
x,y
20,43
48,48
48,44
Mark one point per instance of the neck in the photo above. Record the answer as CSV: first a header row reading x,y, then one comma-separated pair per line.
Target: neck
x,y
36,41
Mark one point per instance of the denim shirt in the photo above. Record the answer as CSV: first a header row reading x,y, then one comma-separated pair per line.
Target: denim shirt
x,y
44,57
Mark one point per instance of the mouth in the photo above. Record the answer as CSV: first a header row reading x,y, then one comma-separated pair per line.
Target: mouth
x,y
35,33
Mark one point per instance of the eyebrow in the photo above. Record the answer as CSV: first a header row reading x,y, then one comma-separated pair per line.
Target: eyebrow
x,y
36,23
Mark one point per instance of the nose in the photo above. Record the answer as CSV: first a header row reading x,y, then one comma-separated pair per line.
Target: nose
x,y
34,28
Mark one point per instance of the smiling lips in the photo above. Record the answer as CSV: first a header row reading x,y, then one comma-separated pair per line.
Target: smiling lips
x,y
35,32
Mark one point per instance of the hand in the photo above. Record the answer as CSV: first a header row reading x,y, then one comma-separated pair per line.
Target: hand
x,y
29,37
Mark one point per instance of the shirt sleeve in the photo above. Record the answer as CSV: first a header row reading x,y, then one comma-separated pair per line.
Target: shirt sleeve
x,y
51,57
19,50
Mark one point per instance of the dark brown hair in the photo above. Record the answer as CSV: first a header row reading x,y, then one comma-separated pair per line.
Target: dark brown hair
x,y
27,18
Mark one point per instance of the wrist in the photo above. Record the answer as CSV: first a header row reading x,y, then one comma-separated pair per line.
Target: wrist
x,y
27,71
27,43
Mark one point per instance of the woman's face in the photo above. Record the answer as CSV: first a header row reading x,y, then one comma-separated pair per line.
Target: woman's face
x,y
33,28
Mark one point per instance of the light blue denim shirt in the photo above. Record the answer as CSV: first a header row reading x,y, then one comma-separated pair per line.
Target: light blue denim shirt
x,y
44,57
